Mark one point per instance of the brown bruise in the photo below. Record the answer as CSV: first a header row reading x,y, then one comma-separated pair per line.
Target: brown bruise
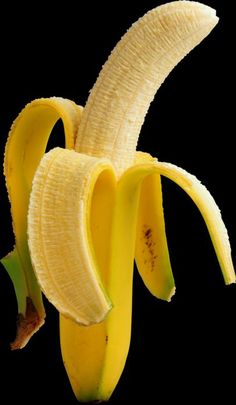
x,y
26,325
150,246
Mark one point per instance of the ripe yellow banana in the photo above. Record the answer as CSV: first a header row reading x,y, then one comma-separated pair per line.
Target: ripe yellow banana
x,y
92,210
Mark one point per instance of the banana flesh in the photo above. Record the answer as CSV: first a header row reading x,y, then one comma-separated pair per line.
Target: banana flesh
x,y
94,209
118,103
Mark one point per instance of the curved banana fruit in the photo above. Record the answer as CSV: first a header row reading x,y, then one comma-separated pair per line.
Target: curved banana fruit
x,y
92,210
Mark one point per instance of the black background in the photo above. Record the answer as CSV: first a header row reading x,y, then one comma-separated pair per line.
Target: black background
x,y
183,350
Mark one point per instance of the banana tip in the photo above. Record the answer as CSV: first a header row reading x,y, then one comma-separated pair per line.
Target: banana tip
x,y
172,293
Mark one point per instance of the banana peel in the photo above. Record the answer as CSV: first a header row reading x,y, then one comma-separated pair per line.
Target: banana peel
x,y
25,147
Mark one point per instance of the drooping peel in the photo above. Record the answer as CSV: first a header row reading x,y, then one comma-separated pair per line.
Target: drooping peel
x,y
25,147
59,234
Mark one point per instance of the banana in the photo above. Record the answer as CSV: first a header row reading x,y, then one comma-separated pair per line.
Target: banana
x,y
95,208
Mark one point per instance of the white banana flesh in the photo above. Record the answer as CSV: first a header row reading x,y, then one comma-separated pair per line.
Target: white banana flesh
x,y
118,103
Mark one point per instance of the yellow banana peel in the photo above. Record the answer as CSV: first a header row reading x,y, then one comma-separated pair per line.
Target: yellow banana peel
x,y
25,147
82,214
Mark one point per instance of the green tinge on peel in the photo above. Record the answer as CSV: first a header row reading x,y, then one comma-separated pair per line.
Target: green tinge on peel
x,y
12,264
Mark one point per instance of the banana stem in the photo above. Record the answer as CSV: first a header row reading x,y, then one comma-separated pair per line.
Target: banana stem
x,y
119,100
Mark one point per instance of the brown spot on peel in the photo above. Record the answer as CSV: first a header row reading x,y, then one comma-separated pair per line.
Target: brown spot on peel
x,y
147,235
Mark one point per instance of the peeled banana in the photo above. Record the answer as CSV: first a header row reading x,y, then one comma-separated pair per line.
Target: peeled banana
x,y
82,214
